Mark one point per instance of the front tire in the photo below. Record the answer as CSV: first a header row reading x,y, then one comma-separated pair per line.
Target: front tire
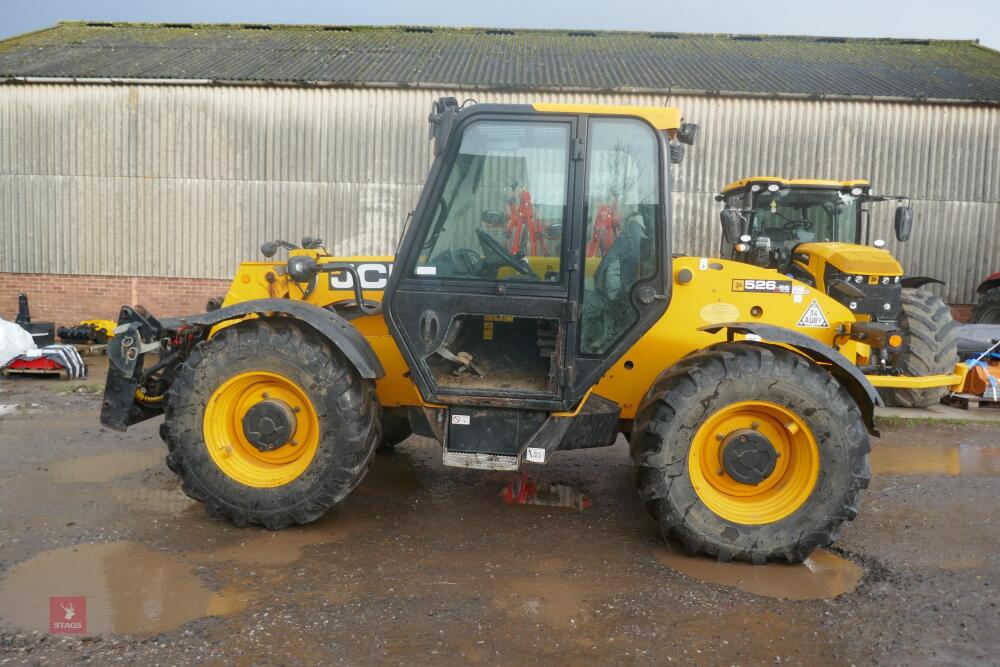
x,y
930,347
267,424
780,501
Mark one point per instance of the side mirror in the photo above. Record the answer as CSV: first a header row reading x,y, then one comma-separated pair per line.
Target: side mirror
x,y
730,225
268,249
302,268
554,231
687,133
903,223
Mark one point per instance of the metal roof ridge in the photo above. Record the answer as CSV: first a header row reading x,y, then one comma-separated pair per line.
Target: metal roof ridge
x,y
6,79
174,25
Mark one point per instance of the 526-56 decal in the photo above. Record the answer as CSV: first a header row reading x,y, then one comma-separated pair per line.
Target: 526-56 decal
x,y
765,286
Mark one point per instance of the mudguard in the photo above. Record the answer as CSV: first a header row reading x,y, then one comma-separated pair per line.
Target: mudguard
x,y
330,325
853,380
992,280
138,333
915,282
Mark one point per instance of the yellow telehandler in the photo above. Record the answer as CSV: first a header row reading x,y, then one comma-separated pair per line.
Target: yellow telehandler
x,y
533,306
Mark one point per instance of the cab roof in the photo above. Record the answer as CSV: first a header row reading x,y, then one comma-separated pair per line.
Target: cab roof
x,y
742,184
662,118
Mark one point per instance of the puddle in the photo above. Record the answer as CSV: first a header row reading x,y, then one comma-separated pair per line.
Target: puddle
x,y
557,601
263,547
8,408
391,474
129,589
105,467
943,459
821,576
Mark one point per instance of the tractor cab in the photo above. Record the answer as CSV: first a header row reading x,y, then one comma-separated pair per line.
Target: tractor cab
x,y
766,218
537,253
817,232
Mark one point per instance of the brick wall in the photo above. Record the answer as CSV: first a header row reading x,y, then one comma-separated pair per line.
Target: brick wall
x,y
961,312
67,299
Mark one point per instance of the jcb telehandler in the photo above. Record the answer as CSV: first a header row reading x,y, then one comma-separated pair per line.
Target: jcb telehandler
x,y
819,233
748,430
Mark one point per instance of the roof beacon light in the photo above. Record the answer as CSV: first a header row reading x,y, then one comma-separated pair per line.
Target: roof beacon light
x,y
879,243
773,187
754,188
856,192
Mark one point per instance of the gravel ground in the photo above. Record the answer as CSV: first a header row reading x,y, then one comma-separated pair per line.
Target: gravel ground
x,y
425,564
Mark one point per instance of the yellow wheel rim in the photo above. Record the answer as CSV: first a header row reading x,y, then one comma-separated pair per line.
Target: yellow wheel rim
x,y
780,493
234,453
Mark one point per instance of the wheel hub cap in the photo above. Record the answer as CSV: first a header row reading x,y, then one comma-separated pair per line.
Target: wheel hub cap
x,y
748,456
269,425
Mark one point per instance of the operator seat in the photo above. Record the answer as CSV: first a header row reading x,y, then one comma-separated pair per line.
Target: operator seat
x,y
607,309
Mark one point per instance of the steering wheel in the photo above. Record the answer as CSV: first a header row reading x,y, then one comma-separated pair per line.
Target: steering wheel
x,y
497,255
793,224
467,261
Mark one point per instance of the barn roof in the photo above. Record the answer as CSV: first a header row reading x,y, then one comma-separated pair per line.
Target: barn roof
x,y
507,59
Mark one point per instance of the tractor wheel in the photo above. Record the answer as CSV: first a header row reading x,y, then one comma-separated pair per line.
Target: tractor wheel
x,y
267,424
752,453
395,429
930,347
987,311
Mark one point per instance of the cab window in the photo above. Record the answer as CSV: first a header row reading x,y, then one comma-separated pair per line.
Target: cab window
x,y
501,213
621,207
791,216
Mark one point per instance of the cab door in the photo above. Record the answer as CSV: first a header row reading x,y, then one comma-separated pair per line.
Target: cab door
x,y
624,283
479,300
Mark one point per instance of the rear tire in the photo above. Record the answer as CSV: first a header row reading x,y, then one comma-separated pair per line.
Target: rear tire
x,y
337,418
930,347
807,501
987,311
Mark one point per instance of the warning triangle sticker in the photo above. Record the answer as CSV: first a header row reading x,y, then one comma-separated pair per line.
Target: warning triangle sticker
x,y
813,317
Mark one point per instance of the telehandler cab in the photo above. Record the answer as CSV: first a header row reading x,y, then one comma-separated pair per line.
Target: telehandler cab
x,y
818,233
748,430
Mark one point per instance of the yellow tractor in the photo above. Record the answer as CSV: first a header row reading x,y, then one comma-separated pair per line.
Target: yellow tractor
x,y
502,330
818,232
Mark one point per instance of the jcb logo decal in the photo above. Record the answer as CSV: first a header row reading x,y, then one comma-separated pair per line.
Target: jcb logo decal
x,y
374,276
767,286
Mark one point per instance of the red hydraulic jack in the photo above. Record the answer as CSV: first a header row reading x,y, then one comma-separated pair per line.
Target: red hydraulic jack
x,y
522,217
524,491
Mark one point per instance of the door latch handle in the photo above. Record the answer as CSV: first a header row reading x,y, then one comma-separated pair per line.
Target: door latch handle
x,y
647,295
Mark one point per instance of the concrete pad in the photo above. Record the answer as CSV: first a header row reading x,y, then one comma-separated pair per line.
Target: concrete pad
x,y
941,411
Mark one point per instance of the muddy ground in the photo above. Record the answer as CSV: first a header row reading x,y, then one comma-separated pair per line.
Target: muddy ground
x,y
425,564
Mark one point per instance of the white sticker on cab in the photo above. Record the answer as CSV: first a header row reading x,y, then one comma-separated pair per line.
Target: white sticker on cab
x,y
461,420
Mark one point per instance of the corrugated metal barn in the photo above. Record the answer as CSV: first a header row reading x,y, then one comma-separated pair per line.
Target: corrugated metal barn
x,y
174,150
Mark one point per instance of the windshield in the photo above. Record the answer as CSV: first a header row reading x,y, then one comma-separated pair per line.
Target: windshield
x,y
798,215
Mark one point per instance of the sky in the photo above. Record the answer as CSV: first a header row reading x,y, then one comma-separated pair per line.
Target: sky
x,y
958,19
